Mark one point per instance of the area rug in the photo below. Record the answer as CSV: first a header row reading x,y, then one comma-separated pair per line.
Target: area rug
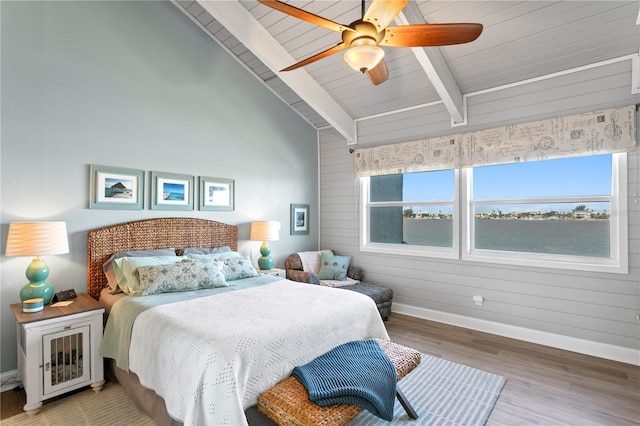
x,y
443,393
111,406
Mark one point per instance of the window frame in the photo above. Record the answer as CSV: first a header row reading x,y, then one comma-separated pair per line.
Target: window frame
x,y
618,231
463,227
406,249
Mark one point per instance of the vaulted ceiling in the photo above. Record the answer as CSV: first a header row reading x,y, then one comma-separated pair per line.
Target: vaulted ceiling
x,y
521,40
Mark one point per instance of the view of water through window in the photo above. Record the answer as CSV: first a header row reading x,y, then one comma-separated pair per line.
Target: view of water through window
x,y
581,238
548,224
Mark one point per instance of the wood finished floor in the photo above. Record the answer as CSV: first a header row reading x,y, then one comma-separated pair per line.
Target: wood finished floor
x,y
545,386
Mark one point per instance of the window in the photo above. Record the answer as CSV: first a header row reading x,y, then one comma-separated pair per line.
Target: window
x,y
412,213
565,213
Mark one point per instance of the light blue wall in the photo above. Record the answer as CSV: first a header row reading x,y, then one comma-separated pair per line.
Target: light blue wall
x,y
138,85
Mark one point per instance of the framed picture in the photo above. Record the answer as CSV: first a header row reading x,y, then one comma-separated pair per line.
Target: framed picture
x,y
170,191
116,188
299,219
216,193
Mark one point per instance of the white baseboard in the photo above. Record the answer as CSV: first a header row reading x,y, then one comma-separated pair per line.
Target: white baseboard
x,y
9,380
601,350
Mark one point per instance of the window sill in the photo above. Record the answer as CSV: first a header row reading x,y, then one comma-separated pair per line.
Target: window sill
x,y
578,263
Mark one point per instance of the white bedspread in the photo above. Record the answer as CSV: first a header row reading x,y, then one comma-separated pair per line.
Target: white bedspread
x,y
210,358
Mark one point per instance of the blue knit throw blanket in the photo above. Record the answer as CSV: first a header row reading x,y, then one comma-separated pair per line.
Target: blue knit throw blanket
x,y
356,373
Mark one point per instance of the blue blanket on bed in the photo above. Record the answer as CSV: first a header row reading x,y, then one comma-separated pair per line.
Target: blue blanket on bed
x,y
356,373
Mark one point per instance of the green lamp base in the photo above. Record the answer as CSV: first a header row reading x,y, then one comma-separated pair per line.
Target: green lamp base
x,y
265,262
37,273
36,290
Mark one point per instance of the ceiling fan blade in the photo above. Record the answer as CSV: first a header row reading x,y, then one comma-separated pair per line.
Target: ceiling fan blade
x,y
316,57
382,12
419,35
379,73
305,16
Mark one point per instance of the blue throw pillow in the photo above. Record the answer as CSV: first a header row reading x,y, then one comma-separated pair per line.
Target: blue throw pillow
x,y
333,267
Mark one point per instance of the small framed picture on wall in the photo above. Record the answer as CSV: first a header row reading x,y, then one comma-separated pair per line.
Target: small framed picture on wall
x,y
216,194
116,188
299,219
171,191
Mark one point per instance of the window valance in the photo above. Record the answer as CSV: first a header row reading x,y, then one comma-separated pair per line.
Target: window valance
x,y
608,131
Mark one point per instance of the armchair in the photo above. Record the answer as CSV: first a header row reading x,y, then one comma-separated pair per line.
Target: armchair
x,y
295,271
381,295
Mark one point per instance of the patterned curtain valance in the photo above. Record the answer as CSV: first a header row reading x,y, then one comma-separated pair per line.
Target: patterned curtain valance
x,y
600,132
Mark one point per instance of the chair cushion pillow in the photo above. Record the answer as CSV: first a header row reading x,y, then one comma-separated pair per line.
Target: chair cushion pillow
x,y
333,267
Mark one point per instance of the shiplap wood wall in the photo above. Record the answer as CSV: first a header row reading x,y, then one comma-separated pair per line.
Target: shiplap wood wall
x,y
593,307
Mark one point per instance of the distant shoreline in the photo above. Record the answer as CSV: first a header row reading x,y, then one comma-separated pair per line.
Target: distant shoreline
x,y
563,219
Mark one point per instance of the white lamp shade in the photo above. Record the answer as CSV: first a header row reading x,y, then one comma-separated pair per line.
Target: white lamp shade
x,y
37,239
364,57
265,230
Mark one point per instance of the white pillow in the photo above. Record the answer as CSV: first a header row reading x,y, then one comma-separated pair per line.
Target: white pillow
x,y
107,266
311,260
216,256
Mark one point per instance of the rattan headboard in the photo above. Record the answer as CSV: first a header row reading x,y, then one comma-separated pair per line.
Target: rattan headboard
x,y
151,234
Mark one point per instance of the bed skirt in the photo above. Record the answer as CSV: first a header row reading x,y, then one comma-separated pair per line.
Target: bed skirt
x,y
153,405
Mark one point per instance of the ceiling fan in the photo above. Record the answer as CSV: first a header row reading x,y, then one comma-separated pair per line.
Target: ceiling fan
x,y
364,37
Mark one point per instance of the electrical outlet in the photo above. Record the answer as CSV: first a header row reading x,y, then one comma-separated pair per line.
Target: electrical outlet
x,y
478,299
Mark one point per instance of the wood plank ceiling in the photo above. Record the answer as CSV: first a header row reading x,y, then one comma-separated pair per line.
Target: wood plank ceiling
x,y
521,40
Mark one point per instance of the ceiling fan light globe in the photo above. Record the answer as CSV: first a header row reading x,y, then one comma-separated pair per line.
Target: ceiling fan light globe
x,y
363,58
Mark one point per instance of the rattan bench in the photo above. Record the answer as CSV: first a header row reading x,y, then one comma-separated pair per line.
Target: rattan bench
x,y
288,403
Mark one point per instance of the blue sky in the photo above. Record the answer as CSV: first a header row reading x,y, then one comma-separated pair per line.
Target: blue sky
x,y
174,188
562,177
109,182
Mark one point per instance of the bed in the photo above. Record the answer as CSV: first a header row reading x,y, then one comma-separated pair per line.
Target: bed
x,y
204,356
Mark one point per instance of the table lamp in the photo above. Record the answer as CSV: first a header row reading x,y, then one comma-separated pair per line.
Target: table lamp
x,y
37,239
265,230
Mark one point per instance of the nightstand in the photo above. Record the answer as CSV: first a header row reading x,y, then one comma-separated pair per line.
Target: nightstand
x,y
58,349
275,272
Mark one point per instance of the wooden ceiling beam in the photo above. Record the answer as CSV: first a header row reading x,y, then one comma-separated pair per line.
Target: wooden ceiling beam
x,y
239,22
436,68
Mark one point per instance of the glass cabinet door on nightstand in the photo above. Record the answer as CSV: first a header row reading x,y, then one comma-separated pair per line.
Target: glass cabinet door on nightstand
x,y
66,358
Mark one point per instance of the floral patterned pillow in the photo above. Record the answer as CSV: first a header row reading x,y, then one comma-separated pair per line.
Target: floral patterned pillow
x,y
190,274
239,268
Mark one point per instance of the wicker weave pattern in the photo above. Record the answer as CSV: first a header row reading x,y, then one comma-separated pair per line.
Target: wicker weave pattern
x,y
288,403
405,359
151,234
